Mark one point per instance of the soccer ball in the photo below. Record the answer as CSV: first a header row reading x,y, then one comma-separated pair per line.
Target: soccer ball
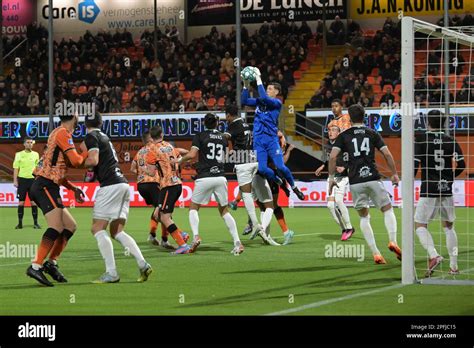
x,y
248,73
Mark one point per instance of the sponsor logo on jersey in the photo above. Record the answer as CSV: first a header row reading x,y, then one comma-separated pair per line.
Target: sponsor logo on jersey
x,y
214,170
166,149
443,185
365,172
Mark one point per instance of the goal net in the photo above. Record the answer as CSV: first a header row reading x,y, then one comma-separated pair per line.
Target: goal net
x,y
437,74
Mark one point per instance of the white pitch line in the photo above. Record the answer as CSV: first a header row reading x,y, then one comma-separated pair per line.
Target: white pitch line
x,y
334,300
347,297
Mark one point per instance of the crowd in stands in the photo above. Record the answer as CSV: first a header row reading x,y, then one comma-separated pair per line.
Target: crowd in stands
x,y
121,74
369,73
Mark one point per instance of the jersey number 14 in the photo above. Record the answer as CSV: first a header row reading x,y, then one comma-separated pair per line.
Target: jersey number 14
x,y
363,148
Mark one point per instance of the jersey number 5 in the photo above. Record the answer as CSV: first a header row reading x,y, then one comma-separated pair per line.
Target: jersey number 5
x,y
439,159
364,147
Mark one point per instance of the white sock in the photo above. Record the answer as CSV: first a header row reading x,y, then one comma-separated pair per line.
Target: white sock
x,y
106,249
344,213
332,209
366,229
232,226
391,225
266,217
194,221
247,197
129,244
426,241
267,230
452,245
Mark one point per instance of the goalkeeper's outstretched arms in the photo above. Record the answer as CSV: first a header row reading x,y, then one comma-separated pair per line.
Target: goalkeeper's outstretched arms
x,y
273,103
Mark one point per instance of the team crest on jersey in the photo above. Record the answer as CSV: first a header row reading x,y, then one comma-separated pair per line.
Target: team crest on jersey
x,y
70,142
365,172
278,151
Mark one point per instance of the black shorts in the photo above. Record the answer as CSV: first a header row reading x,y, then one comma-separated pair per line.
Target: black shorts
x,y
24,187
150,191
168,198
45,193
274,187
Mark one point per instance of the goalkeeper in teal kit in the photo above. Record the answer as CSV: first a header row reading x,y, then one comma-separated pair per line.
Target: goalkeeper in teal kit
x,y
265,132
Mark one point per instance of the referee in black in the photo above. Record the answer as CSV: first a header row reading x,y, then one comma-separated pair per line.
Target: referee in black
x,y
23,166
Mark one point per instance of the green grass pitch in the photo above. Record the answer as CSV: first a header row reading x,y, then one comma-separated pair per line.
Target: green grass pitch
x,y
298,279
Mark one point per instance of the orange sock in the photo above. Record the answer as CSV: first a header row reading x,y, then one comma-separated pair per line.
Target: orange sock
x,y
60,244
164,233
176,234
47,243
153,226
278,212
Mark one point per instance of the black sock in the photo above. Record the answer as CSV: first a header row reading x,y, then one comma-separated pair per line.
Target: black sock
x,y
34,212
21,209
67,234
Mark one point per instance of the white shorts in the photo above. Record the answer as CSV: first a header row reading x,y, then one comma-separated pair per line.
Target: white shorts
x,y
340,190
112,202
261,189
428,208
204,188
246,172
373,190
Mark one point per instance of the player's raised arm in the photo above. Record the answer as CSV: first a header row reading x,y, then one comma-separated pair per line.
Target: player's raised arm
x,y
273,103
245,96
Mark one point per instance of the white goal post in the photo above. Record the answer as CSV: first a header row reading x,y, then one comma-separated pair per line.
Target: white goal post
x,y
413,30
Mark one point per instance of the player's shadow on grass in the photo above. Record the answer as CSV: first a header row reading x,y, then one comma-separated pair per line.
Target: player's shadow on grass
x,y
337,238
57,285
293,270
327,282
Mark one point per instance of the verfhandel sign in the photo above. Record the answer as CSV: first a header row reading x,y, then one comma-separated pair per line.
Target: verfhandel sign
x,y
217,12
177,126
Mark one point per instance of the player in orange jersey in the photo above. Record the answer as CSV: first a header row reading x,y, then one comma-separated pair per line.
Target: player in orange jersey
x,y
60,153
340,120
163,157
148,185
